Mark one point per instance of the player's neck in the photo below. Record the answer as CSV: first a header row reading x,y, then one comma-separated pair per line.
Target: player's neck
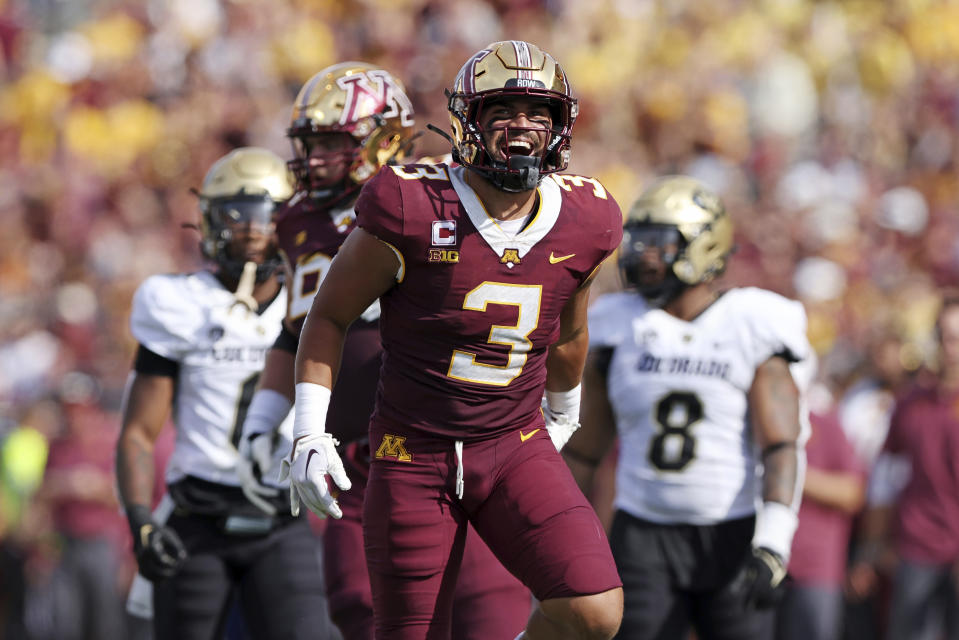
x,y
501,205
691,302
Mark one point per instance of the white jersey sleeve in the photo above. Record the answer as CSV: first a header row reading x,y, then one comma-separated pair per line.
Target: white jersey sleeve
x,y
163,319
776,325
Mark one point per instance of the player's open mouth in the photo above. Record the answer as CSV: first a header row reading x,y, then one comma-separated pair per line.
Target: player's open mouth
x,y
518,148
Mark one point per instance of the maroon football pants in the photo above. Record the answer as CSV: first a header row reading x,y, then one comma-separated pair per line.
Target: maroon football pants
x,y
488,602
520,497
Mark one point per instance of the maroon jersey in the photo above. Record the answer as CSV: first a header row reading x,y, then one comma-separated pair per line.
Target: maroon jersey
x,y
467,327
925,429
309,236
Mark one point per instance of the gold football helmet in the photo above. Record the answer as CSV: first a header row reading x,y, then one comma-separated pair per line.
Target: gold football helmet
x,y
244,187
362,102
512,68
687,222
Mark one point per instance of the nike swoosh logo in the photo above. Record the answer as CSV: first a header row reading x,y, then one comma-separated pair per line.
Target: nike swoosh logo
x,y
554,259
526,436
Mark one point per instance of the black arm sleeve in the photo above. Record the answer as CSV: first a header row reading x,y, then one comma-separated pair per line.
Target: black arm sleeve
x,y
153,364
287,340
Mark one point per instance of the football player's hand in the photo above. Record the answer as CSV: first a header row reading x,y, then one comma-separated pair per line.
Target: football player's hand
x,y
561,410
312,459
256,456
559,426
760,580
158,549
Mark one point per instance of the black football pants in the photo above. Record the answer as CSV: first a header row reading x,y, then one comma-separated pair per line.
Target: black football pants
x,y
276,577
676,577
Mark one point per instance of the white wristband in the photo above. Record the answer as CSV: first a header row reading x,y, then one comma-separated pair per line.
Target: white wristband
x,y
267,410
309,410
566,402
775,526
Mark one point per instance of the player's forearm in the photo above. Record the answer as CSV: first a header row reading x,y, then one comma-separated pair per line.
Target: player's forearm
x,y
278,372
565,362
320,350
775,410
135,468
781,475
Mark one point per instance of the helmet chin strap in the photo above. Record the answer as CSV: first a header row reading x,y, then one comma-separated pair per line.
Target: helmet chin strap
x,y
524,174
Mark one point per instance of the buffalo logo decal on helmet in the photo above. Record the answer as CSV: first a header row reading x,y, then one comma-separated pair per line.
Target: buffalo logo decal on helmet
x,y
688,224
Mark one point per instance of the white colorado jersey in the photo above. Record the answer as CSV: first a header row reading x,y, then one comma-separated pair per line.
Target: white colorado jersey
x,y
221,350
678,391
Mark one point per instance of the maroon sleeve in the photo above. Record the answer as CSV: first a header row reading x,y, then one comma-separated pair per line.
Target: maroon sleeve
x,y
379,209
608,227
614,235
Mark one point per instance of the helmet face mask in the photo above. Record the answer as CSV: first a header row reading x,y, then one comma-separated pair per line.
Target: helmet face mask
x,y
688,225
239,197
323,162
240,229
503,72
647,255
352,101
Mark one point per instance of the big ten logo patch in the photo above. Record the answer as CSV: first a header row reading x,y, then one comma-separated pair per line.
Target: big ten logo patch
x,y
444,255
393,447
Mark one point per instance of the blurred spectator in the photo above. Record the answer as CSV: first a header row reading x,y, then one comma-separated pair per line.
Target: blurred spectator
x,y
23,456
913,515
833,493
83,597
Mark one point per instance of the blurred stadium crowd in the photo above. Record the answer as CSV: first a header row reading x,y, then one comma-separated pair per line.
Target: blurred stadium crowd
x,y
829,127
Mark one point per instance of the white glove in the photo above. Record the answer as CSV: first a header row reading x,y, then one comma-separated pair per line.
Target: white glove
x,y
561,410
313,458
314,454
267,410
256,450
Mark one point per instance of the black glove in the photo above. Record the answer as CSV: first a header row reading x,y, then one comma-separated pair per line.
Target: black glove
x,y
760,581
159,550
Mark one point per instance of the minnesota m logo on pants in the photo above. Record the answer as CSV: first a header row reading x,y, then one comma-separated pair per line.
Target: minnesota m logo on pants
x,y
392,447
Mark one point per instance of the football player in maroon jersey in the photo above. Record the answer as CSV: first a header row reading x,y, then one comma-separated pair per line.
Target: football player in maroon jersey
x,y
482,271
348,121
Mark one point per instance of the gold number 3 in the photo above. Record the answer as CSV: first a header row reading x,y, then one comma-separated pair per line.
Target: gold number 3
x,y
527,299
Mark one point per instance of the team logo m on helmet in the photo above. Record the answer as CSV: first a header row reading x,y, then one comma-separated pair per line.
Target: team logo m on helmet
x,y
373,88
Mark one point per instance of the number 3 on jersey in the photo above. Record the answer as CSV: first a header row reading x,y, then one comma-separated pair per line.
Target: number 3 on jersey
x,y
674,446
307,276
527,299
